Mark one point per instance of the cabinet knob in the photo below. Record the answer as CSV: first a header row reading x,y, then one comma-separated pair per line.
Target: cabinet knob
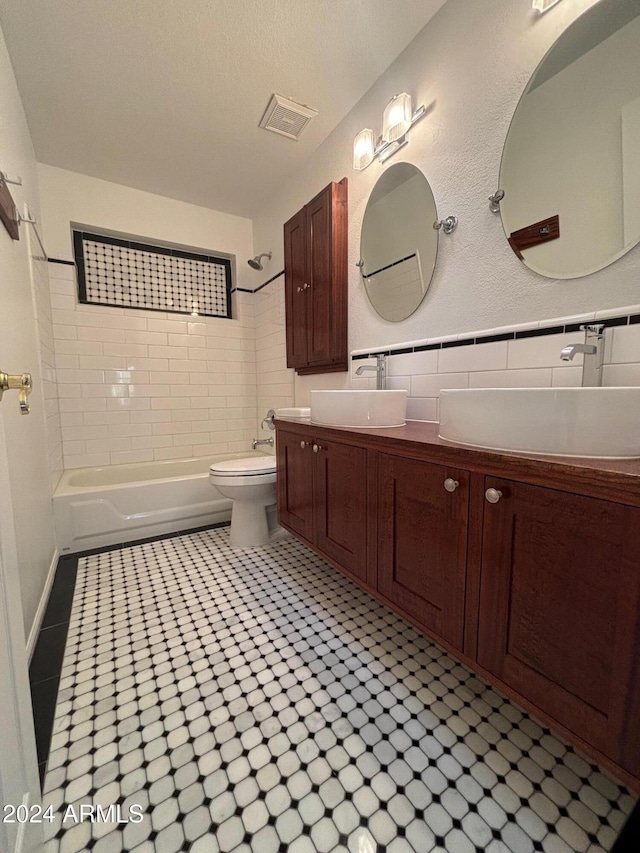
x,y
450,484
317,447
306,286
298,289
304,444
493,495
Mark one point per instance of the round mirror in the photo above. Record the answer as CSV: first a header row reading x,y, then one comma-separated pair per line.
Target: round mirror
x,y
398,244
570,169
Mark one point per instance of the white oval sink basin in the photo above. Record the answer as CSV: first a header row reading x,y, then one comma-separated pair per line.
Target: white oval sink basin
x,y
359,408
596,422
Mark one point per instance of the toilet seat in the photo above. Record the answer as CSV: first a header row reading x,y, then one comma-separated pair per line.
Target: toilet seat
x,y
248,467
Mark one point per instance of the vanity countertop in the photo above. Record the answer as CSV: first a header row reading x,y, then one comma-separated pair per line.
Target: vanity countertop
x,y
416,435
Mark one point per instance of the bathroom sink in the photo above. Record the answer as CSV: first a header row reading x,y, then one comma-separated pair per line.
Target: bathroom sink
x,y
596,422
359,408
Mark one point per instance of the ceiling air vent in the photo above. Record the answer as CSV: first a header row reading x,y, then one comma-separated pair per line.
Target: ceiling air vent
x,y
286,117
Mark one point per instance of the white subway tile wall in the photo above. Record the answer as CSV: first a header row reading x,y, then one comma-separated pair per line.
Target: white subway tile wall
x,y
137,386
274,379
524,362
46,352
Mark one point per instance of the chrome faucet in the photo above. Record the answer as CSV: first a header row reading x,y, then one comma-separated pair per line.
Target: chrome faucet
x,y
380,368
593,350
258,441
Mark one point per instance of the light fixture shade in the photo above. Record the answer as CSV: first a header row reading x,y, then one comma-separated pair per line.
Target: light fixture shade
x,y
363,149
542,5
396,119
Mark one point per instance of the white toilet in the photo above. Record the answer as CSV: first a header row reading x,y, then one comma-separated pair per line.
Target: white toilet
x,y
251,484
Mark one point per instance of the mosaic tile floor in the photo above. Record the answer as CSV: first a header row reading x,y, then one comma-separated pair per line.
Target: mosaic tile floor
x,y
257,700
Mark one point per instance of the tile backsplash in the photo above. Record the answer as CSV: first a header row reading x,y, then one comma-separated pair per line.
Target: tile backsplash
x,y
138,386
525,355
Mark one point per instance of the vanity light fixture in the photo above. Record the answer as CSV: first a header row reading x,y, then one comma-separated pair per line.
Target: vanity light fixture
x,y
398,117
364,149
543,6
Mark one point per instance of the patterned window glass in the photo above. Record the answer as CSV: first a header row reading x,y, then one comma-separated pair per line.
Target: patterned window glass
x,y
128,274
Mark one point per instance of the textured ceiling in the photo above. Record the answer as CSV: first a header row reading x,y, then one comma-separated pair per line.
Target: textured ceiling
x,y
166,95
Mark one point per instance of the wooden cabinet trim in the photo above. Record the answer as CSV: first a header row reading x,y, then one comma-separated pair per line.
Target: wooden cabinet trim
x,y
620,486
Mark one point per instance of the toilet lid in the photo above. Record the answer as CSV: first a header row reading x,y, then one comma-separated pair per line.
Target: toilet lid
x,y
245,467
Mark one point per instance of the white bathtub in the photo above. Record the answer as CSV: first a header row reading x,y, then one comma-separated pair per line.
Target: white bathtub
x,y
97,507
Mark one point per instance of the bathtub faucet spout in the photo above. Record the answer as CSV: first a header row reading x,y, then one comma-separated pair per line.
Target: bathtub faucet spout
x,y
258,441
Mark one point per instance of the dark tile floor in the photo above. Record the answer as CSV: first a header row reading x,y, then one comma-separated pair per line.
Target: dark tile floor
x,y
44,671
256,700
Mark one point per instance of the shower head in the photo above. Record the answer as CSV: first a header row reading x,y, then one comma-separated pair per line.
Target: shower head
x,y
256,264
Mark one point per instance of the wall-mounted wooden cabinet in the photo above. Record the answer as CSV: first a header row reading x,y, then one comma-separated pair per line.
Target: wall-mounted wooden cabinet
x,y
315,269
535,586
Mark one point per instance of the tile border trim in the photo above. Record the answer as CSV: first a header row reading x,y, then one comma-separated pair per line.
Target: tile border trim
x,y
448,341
61,261
260,286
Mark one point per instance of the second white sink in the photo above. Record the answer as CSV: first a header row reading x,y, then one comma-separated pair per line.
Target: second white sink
x,y
596,422
359,408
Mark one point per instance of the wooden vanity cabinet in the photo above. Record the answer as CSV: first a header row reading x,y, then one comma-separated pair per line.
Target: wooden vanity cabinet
x,y
423,512
322,497
559,613
295,484
315,269
534,580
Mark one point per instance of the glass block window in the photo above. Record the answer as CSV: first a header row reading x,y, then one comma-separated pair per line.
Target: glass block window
x,y
128,274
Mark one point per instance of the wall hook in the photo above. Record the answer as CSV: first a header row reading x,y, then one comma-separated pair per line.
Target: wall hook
x,y
447,225
494,201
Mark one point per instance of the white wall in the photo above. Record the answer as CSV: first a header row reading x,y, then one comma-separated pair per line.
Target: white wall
x,y
470,65
70,197
26,436
135,385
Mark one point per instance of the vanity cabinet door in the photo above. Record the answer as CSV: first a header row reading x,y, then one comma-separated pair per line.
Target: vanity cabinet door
x,y
422,551
341,504
326,277
560,608
295,253
295,483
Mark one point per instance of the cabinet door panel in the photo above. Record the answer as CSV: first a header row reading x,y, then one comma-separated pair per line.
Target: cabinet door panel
x,y
422,531
341,505
320,292
295,247
295,483
559,604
